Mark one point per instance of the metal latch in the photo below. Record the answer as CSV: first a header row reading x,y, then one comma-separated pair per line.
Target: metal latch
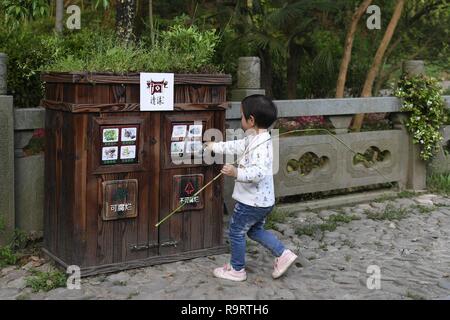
x,y
144,247
153,245
169,244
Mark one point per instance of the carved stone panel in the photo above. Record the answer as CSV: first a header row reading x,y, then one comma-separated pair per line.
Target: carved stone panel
x,y
373,157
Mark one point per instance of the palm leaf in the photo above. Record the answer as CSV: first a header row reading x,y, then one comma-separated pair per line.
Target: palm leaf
x,y
290,12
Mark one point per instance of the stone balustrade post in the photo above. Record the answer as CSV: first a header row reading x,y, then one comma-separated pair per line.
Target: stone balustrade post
x,y
29,173
416,173
341,123
413,67
248,83
416,167
248,78
7,215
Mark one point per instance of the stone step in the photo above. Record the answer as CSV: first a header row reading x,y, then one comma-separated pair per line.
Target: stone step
x,y
342,200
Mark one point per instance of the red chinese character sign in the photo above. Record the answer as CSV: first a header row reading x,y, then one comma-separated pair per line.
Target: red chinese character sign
x,y
184,188
156,91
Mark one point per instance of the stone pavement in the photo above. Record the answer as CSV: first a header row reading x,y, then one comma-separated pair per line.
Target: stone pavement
x,y
412,251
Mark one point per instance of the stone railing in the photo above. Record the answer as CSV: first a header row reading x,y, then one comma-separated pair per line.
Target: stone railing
x,y
340,167
21,177
28,172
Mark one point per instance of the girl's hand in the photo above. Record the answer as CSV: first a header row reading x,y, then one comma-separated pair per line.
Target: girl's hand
x,y
208,146
229,170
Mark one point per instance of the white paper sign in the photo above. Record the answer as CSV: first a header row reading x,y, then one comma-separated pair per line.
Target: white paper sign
x,y
156,91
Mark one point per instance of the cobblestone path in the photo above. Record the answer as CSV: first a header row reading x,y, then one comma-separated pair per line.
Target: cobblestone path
x,y
408,239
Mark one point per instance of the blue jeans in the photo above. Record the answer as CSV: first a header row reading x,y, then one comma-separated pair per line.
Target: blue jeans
x,y
250,220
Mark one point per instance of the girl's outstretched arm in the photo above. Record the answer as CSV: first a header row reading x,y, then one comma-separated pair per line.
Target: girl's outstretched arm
x,y
236,147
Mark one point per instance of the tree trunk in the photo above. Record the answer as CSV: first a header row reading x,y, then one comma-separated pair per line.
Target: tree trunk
x,y
150,21
340,85
125,18
293,62
59,16
141,17
266,70
374,69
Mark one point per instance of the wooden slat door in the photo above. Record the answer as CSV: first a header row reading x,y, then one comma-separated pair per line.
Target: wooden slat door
x,y
117,240
192,227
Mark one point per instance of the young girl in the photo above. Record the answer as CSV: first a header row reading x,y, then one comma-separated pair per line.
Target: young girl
x,y
253,189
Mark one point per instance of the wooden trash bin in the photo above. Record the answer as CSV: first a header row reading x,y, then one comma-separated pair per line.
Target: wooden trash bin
x,y
109,177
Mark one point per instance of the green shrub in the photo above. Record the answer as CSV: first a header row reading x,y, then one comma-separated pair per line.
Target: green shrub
x,y
330,225
19,240
194,46
32,47
7,256
46,281
406,194
25,55
21,11
277,216
15,241
422,98
439,182
425,209
308,230
180,49
390,212
335,218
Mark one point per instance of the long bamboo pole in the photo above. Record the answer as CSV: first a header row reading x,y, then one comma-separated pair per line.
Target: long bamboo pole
x,y
246,150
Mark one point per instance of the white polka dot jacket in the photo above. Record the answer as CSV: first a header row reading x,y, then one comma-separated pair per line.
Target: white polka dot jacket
x,y
254,181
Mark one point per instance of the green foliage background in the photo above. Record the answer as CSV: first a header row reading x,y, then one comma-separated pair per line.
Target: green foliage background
x,y
210,36
421,97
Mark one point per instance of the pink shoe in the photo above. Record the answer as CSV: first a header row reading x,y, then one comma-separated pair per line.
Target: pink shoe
x,y
282,263
227,272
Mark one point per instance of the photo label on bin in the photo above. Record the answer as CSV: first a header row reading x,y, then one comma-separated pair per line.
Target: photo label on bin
x,y
156,91
119,144
186,141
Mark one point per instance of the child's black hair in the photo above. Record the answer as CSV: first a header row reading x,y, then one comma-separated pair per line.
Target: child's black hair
x,y
261,108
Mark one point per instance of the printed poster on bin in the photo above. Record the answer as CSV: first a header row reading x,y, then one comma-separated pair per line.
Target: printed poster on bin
x,y
156,91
